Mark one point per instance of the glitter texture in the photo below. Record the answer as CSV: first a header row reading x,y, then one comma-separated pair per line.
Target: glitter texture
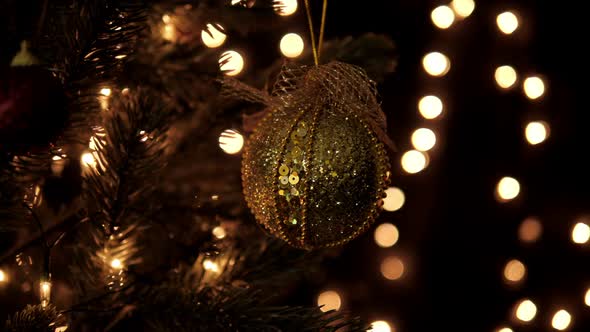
x,y
315,168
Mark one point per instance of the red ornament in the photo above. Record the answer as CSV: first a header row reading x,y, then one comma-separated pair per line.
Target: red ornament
x,y
33,108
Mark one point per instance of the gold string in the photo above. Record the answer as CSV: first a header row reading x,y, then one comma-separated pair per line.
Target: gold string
x,y
322,26
316,60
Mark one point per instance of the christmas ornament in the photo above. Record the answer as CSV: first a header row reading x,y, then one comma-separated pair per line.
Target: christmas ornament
x,y
315,168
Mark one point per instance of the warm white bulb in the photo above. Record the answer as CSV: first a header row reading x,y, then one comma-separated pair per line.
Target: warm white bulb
x,y
394,199
526,310
505,76
507,22
116,264
505,329
380,326
212,37
536,132
423,139
463,8
507,189
414,161
88,159
219,232
442,17
291,45
436,64
285,7
329,300
105,92
45,293
430,107
2,276
587,297
386,235
514,271
210,265
231,63
561,320
231,142
533,87
581,233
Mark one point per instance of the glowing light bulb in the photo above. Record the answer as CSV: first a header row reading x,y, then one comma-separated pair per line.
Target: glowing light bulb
x,y
536,132
219,232
530,230
330,300
231,63
507,189
285,7
3,277
88,159
394,200
166,18
423,139
380,326
526,310
514,271
414,161
507,22
581,233
505,329
169,32
212,37
291,45
45,293
442,17
210,265
105,92
561,320
231,141
430,107
587,297
116,264
534,87
392,268
505,76
463,8
386,235
436,64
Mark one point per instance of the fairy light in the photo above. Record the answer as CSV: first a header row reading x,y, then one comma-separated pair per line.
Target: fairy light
x,y
505,76
581,233
285,7
116,264
57,165
166,18
561,320
414,161
212,37
504,329
507,189
61,328
105,92
536,132
463,8
291,45
219,232
231,141
526,310
507,22
530,230
533,87
386,235
329,300
442,17
3,277
430,107
88,160
514,271
394,199
380,326
587,297
392,268
210,265
436,64
45,292
423,139
169,32
231,63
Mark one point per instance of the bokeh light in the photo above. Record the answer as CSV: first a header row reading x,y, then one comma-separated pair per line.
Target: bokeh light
x,y
530,230
414,161
442,17
505,76
291,45
504,329
386,235
169,32
507,189
534,87
210,265
231,63
561,320
116,264
507,22
212,37
88,159
285,7
536,132
581,233
330,300
514,271
45,292
526,310
380,326
430,107
2,276
231,141
463,8
436,64
423,139
392,268
394,200
219,232
587,297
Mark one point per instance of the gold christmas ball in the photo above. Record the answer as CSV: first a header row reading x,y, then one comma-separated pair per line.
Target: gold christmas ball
x,y
315,169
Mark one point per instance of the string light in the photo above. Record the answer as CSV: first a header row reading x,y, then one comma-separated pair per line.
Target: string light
x,y
57,165
105,92
392,268
291,45
505,329
436,64
414,161
530,230
166,18
3,277
212,37
442,17
394,199
231,141
329,300
45,292
219,232
526,310
507,22
536,132
581,233
423,139
169,32
285,7
116,264
88,160
61,328
514,271
505,76
534,87
210,265
386,235
463,8
380,326
231,63
430,107
587,297
561,320
507,189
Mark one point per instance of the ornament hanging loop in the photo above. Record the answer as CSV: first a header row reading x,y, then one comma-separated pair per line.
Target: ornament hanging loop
x,y
316,49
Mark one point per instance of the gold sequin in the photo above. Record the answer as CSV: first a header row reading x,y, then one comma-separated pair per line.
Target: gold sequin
x,y
284,169
296,152
281,192
294,178
284,179
301,131
294,191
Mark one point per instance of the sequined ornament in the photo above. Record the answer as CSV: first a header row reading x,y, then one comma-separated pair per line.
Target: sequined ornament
x,y
315,168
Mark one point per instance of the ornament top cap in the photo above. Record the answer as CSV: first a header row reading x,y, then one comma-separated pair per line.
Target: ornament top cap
x,y
24,57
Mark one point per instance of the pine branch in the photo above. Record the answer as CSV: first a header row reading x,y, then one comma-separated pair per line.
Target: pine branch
x,y
34,319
